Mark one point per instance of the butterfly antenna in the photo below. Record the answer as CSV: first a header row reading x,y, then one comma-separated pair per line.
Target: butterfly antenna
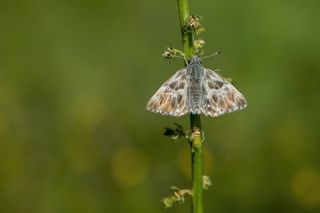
x,y
213,54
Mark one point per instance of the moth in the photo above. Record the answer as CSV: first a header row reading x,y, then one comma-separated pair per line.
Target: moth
x,y
196,90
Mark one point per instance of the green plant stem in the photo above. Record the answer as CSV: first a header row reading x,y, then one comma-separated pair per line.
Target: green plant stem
x,y
187,37
197,164
195,121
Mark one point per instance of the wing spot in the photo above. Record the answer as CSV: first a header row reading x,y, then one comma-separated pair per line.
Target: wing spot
x,y
162,99
167,107
218,84
231,96
211,85
173,85
173,103
207,102
241,102
183,76
223,105
214,98
180,100
228,104
181,86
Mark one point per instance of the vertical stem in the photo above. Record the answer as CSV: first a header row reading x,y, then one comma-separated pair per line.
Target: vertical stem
x,y
197,164
195,122
186,35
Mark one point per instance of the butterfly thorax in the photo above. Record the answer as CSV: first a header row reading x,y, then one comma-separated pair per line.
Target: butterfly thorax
x,y
195,72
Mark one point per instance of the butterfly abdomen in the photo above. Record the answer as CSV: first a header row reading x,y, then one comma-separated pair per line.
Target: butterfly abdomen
x,y
195,95
195,72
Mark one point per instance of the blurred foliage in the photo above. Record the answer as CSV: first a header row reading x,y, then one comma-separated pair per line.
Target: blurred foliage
x,y
74,80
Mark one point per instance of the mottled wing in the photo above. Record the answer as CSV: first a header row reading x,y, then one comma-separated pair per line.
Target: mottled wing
x,y
171,98
220,96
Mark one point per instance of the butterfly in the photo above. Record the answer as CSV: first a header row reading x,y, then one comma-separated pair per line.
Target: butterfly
x,y
196,90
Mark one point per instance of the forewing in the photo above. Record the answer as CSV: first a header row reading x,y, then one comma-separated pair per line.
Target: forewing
x,y
171,97
220,96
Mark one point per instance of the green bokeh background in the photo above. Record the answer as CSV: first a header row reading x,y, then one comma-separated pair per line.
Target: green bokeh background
x,y
75,77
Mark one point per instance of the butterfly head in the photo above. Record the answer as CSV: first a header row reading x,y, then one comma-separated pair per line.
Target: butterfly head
x,y
195,60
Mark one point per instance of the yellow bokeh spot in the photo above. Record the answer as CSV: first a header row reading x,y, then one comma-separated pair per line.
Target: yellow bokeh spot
x,y
306,187
129,167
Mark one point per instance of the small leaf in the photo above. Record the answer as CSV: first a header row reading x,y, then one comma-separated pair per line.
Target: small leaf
x,y
177,197
198,46
168,201
170,52
195,24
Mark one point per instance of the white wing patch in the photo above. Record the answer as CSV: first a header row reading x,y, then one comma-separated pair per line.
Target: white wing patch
x,y
171,98
219,96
